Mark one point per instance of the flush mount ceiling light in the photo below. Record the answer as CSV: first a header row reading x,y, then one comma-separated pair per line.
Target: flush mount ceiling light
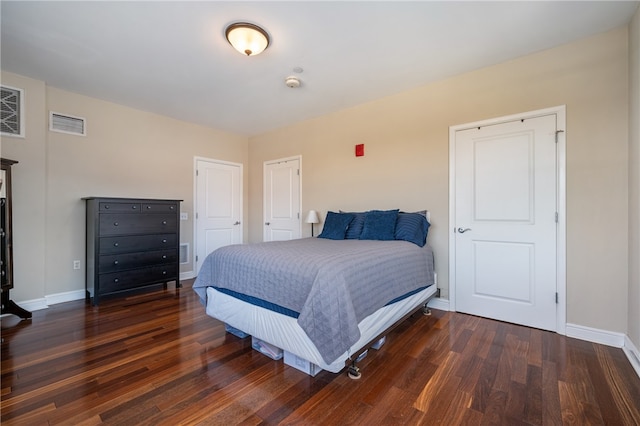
x,y
246,38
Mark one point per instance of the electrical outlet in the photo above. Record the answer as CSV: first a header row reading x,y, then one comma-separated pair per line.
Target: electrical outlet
x,y
76,264
184,216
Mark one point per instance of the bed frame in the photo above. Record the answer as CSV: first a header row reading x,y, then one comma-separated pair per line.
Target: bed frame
x,y
353,370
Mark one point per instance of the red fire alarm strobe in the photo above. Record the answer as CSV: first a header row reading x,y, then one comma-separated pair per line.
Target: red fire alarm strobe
x,y
360,150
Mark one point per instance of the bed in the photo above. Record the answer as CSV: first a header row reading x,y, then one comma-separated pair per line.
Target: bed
x,y
324,299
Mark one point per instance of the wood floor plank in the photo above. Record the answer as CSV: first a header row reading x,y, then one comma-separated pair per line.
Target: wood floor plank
x,y
626,398
156,358
515,404
533,397
443,376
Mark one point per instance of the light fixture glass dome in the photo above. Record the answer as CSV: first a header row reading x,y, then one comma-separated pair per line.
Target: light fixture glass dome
x,y
246,38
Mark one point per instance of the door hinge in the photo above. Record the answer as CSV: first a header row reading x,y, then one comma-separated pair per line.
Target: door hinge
x,y
298,172
556,217
556,297
196,172
557,133
196,257
298,215
196,215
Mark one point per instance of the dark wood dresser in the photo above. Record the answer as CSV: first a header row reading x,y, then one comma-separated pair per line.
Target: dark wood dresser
x,y
131,243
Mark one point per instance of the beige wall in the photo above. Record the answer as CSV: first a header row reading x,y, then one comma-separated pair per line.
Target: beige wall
x,y
29,191
406,159
634,181
126,153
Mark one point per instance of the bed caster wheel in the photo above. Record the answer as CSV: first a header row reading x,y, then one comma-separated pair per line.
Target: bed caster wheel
x,y
354,373
426,311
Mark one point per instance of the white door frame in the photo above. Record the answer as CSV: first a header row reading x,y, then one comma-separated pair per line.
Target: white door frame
x,y
264,190
195,202
561,238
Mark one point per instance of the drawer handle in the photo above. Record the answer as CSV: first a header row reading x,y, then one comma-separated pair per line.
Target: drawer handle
x,y
171,207
115,262
164,240
164,222
116,244
106,207
115,280
148,207
115,223
134,207
164,256
164,272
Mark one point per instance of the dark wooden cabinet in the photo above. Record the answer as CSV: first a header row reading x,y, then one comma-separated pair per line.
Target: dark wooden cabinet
x,y
131,243
6,244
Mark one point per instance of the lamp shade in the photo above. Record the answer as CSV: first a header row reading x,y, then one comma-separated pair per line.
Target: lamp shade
x,y
312,217
248,39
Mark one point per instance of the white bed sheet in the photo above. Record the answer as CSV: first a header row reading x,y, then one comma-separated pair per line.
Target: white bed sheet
x,y
284,332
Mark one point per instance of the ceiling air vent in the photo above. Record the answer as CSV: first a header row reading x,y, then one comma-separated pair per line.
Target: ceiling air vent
x,y
67,124
11,111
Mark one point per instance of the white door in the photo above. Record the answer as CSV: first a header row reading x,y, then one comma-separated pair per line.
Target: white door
x,y
282,200
505,221
218,207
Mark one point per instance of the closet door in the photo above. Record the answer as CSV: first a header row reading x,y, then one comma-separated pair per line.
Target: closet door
x,y
218,207
282,203
506,220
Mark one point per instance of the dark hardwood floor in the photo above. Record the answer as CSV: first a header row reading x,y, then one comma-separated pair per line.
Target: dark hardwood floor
x,y
157,358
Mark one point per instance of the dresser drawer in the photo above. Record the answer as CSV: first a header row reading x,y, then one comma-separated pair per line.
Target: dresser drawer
x,y
118,281
159,207
122,223
121,262
128,244
119,207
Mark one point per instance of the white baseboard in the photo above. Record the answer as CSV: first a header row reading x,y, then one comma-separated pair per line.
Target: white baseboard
x,y
67,296
604,337
632,353
33,304
51,299
438,303
187,275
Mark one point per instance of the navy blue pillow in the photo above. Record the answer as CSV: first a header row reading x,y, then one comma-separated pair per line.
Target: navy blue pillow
x,y
379,225
355,227
412,227
335,225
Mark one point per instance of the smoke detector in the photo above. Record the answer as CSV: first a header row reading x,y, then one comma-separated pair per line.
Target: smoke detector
x,y
292,82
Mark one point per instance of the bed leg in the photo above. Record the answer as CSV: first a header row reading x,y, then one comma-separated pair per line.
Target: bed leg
x,y
425,310
354,371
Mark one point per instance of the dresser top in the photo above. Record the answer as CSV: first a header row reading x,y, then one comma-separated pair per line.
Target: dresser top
x,y
116,199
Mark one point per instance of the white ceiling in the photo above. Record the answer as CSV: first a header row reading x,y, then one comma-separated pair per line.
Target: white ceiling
x,y
172,58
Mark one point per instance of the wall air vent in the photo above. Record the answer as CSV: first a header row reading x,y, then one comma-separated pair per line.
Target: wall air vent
x,y
67,124
184,253
11,111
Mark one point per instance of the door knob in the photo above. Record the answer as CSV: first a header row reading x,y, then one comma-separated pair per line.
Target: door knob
x,y
267,223
462,231
237,222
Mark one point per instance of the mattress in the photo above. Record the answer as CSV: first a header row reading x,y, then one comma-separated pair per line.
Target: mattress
x,y
284,331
